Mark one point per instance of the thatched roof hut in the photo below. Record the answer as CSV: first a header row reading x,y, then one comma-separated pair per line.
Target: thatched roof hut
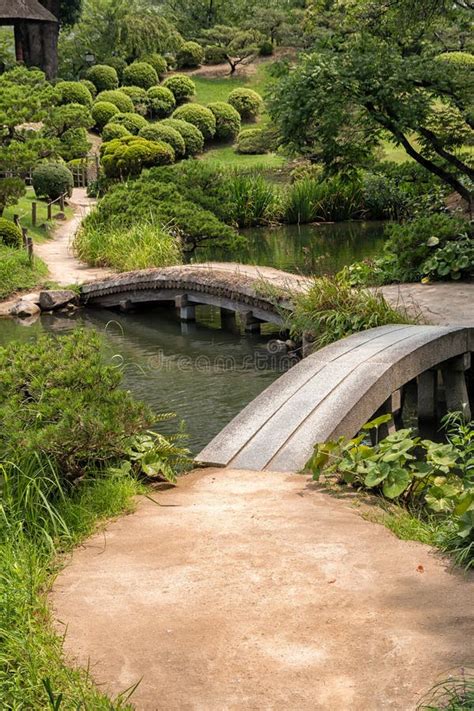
x,y
13,11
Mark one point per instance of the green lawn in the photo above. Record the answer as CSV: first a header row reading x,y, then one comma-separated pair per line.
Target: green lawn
x,y
23,209
227,156
16,272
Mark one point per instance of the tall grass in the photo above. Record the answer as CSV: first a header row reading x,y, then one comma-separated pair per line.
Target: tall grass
x,y
332,200
254,200
16,271
143,245
331,309
39,520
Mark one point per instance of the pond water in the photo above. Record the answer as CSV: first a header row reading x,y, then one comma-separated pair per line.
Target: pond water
x,y
317,249
202,373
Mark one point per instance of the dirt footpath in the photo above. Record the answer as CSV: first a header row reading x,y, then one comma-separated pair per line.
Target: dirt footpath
x,y
254,591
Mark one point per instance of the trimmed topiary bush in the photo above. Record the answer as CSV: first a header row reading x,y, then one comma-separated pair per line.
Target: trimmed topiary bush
x,y
102,112
51,180
89,85
132,122
161,101
118,99
158,62
73,92
114,130
138,97
158,132
103,77
227,120
182,87
190,55
247,102
266,49
213,54
199,116
252,141
193,138
74,143
140,74
118,63
128,156
10,234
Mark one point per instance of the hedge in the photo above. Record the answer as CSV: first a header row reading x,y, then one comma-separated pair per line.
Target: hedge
x,y
158,62
73,92
89,85
103,77
247,102
128,156
190,55
10,234
193,138
199,116
227,120
114,130
182,87
213,54
161,101
102,112
140,74
118,98
132,122
158,132
52,180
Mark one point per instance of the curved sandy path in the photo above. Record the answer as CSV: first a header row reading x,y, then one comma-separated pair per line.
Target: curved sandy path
x,y
255,591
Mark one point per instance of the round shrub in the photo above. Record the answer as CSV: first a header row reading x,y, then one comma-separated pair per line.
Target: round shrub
x,y
190,55
118,99
129,155
103,77
199,116
138,97
158,132
158,62
114,130
252,141
182,87
132,122
193,138
247,102
10,234
213,54
74,143
227,120
89,85
140,74
460,59
73,92
102,112
51,180
161,101
118,63
266,49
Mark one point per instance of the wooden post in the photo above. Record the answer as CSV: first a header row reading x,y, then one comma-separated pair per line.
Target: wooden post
x,y
49,211
16,220
29,247
61,203
24,232
33,213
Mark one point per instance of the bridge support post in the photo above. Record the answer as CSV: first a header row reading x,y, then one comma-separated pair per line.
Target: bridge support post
x,y
187,311
454,378
427,402
391,405
227,319
251,324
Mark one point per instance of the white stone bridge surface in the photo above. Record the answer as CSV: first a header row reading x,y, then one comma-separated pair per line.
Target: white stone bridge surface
x,y
334,391
256,293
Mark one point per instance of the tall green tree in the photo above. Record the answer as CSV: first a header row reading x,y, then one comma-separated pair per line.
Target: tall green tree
x,y
382,72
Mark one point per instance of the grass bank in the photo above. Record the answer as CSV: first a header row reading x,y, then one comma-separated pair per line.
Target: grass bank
x,y
43,227
16,272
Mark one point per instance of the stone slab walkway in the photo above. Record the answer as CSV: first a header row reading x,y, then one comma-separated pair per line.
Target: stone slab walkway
x,y
245,591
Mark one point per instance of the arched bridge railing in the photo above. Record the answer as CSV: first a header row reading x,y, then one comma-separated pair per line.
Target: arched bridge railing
x,y
338,389
186,287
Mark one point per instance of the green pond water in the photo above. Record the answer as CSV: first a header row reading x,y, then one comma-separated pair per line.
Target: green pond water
x,y
202,373
305,249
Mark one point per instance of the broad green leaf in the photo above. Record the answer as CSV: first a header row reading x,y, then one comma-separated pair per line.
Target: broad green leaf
x,y
396,483
377,422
